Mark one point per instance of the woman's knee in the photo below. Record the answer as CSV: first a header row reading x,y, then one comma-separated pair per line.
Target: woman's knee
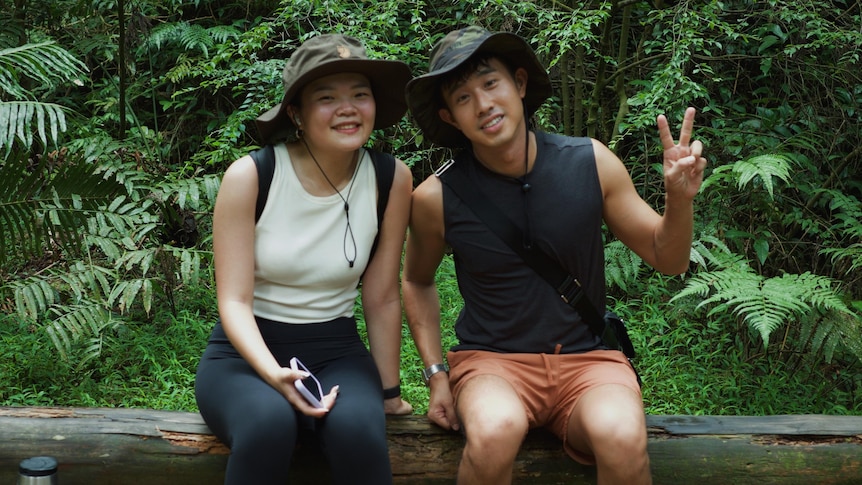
x,y
356,446
353,421
272,426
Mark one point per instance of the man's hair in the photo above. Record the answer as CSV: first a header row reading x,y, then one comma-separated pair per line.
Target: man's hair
x,y
467,69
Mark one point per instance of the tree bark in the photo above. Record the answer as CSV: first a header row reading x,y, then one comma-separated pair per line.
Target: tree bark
x,y
140,446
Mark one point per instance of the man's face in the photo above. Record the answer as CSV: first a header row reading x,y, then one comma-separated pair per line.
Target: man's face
x,y
487,105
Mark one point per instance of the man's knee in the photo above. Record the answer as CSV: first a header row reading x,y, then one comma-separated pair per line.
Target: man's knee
x,y
496,431
611,416
492,413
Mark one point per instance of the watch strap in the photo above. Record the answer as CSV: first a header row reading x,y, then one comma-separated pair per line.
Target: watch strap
x,y
430,371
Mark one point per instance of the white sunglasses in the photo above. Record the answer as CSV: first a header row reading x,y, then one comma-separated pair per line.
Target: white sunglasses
x,y
302,385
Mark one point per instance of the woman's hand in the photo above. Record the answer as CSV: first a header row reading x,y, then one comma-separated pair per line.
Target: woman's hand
x,y
284,381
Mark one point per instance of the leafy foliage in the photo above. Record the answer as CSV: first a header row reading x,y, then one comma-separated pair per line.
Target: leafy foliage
x,y
105,232
103,242
764,303
191,37
764,168
847,211
47,204
622,265
46,64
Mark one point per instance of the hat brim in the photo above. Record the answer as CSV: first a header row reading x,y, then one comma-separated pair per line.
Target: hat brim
x,y
388,80
422,90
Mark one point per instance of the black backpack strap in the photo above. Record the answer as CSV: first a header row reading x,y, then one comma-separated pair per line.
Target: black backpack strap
x,y
264,160
384,170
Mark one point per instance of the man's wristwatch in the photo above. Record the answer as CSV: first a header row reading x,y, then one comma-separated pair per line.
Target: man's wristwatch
x,y
430,371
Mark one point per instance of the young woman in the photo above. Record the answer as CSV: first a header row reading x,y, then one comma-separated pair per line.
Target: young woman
x,y
287,282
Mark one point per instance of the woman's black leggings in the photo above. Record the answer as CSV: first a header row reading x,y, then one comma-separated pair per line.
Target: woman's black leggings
x,y
260,426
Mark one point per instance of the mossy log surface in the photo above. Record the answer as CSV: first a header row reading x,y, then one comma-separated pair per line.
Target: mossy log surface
x,y
97,446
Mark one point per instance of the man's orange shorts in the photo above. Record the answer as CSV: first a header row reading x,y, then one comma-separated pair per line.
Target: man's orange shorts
x,y
549,385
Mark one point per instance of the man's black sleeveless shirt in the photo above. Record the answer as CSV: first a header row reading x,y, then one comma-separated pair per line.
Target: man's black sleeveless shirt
x,y
507,306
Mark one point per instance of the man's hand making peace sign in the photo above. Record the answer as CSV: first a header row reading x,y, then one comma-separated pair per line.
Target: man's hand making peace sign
x,y
683,161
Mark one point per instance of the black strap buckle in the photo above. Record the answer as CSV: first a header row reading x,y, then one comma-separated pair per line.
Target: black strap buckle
x,y
570,290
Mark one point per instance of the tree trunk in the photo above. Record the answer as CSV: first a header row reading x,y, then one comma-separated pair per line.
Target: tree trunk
x,y
140,446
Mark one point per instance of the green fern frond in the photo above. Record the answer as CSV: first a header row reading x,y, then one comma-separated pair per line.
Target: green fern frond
x,y
197,193
849,329
223,33
710,249
126,292
830,345
160,35
818,291
83,281
140,259
188,36
107,245
10,29
701,284
190,263
126,174
183,69
764,304
46,63
764,167
812,332
19,118
847,226
120,227
844,203
33,296
196,37
20,227
76,323
38,294
92,350
720,176
834,332
40,207
852,253
621,265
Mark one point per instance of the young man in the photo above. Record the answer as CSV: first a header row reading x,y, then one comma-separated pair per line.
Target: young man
x,y
526,359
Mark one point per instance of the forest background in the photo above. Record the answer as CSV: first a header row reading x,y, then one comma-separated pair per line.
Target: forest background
x,y
118,118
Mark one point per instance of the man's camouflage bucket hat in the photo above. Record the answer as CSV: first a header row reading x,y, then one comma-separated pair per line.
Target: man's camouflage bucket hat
x,y
454,50
328,54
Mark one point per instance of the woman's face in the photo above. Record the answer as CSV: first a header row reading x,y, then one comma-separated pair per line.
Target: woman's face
x,y
337,111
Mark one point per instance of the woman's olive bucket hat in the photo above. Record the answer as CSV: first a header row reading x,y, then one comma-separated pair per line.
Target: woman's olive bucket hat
x,y
454,50
331,54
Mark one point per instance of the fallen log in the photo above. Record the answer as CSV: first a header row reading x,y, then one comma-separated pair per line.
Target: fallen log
x,y
140,446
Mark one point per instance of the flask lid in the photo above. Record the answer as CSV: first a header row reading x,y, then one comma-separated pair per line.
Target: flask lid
x,y
38,466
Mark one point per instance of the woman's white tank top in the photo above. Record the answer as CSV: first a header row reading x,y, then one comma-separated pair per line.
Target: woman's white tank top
x,y
301,272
